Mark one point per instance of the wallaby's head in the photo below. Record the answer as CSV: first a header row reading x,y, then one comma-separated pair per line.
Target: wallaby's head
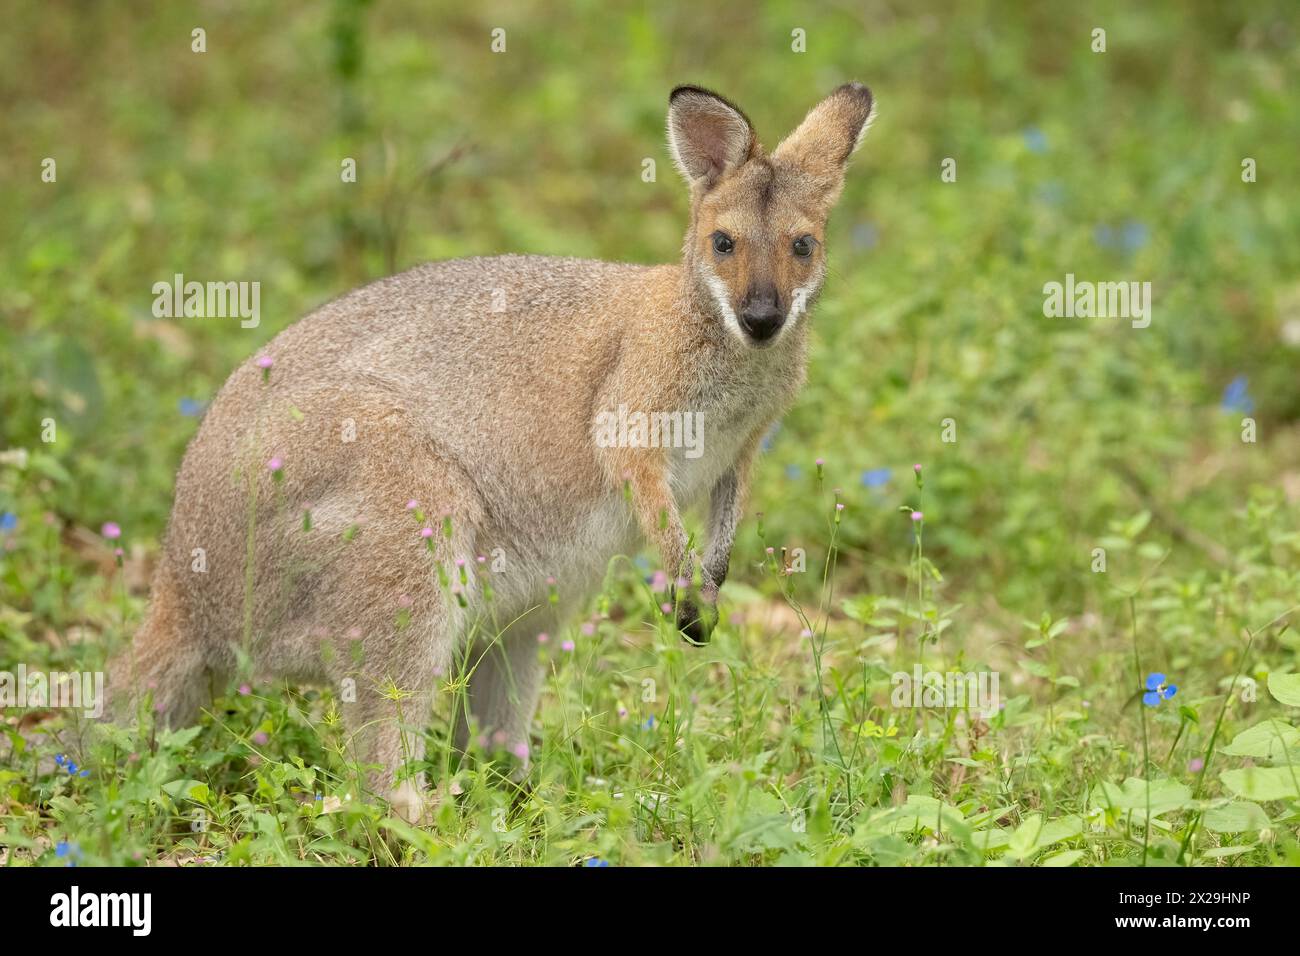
x,y
756,245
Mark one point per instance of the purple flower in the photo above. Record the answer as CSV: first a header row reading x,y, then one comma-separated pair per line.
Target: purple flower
x,y
275,464
111,530
917,516
264,361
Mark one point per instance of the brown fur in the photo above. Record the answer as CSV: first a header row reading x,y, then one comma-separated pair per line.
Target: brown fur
x,y
472,386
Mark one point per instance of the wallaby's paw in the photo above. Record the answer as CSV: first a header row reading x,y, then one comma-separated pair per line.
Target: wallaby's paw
x,y
410,804
695,621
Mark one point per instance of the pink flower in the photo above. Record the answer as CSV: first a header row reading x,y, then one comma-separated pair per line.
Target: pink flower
x,y
916,468
567,646
1195,765
426,532
412,505
244,690
275,464
819,462
265,361
839,506
917,516
805,633
659,582
260,738
404,600
666,607
521,751
111,530
588,629
118,552
543,637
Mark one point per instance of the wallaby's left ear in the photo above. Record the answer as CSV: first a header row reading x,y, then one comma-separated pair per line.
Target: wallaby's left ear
x,y
827,137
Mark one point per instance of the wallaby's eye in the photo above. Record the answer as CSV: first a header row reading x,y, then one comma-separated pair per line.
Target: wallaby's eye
x,y
723,243
803,247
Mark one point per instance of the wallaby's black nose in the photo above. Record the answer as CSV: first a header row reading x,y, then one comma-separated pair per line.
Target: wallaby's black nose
x,y
760,319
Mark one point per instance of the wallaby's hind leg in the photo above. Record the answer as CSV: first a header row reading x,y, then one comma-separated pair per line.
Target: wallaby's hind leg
x,y
504,683
163,659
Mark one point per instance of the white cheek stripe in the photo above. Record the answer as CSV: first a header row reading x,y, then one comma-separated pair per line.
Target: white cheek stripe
x,y
723,300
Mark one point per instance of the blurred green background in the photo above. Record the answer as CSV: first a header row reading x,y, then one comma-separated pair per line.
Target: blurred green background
x,y
1122,165
1072,434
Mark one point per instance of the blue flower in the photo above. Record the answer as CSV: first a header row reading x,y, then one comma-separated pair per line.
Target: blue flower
x,y
770,437
8,521
1236,398
1128,237
1035,140
1157,690
865,235
876,477
72,768
67,851
60,760
191,407
649,723
793,471
595,861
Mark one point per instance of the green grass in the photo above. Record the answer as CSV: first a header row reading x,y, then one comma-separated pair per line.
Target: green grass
x,y
767,746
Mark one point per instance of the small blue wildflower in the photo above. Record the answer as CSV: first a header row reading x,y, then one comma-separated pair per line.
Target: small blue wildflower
x,y
8,521
649,723
770,437
793,471
84,773
1236,398
595,861
876,477
67,851
1035,140
1128,237
1052,192
1157,690
71,768
191,407
60,760
865,235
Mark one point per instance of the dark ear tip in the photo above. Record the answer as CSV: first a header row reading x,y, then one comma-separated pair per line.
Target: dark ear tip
x,y
860,90
688,88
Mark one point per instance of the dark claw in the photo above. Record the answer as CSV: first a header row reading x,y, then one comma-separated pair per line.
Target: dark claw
x,y
695,628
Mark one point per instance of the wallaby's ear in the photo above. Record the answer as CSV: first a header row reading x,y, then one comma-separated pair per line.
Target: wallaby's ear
x,y
707,136
827,137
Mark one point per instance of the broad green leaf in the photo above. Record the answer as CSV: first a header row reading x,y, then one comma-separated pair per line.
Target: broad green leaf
x,y
1066,858
1263,783
1285,688
1165,795
1270,739
1236,817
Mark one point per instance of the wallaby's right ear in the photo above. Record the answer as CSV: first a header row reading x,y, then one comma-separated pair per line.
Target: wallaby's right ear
x,y
707,136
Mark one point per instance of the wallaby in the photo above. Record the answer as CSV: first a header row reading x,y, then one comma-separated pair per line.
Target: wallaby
x,y
335,513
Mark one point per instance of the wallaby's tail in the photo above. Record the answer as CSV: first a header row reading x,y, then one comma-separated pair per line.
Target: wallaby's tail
x,y
166,660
